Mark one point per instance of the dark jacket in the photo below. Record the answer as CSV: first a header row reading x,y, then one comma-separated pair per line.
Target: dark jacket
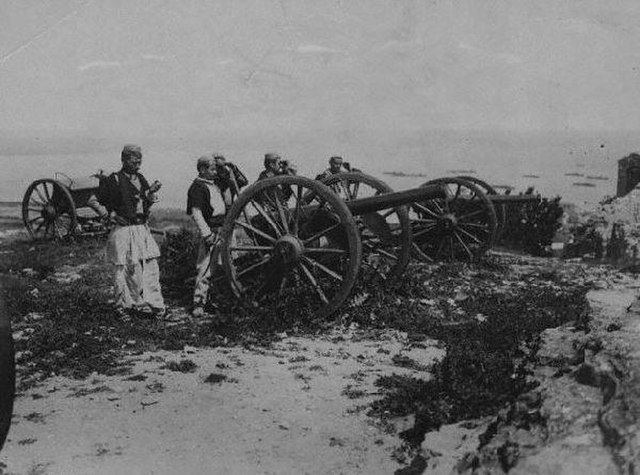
x,y
199,196
119,195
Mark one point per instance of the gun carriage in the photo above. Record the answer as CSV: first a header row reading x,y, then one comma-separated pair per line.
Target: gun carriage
x,y
59,208
291,240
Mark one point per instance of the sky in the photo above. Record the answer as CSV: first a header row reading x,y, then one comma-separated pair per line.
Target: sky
x,y
169,68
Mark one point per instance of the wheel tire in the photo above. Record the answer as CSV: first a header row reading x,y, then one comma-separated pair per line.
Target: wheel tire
x,y
7,372
444,228
241,217
48,210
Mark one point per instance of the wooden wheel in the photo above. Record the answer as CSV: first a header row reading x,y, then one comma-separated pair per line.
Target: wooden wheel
x,y
7,371
287,253
48,210
501,209
461,226
385,234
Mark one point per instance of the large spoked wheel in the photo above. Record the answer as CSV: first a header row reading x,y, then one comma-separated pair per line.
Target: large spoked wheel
x,y
7,372
461,226
501,211
290,254
48,210
385,234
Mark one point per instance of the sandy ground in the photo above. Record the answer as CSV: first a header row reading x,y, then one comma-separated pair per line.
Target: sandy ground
x,y
295,408
300,407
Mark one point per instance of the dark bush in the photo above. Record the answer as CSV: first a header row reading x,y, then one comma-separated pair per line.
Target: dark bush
x,y
532,226
586,240
178,254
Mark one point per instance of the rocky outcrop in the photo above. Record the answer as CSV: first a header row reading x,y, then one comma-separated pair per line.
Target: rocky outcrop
x,y
584,415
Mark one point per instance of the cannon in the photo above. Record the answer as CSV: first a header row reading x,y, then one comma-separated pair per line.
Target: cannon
x,y
59,208
289,240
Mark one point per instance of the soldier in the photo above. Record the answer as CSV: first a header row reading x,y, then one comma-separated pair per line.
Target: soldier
x,y
229,179
275,166
209,197
127,198
336,165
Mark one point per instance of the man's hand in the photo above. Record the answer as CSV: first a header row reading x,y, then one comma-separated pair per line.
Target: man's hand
x,y
155,186
211,239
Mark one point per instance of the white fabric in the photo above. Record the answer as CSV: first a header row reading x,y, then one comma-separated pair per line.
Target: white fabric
x,y
131,244
201,223
137,285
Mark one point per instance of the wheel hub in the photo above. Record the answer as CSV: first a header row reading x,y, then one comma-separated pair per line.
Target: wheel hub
x,y
449,221
288,250
48,212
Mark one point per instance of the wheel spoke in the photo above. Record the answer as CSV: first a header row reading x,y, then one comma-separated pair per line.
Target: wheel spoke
x,y
321,233
295,226
261,262
385,253
440,248
46,191
356,188
321,267
325,250
255,230
283,219
314,283
469,235
267,217
251,248
35,219
44,200
483,227
464,246
427,210
473,213
425,230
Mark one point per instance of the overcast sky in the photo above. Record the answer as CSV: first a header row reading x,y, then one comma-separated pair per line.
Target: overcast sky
x,y
105,67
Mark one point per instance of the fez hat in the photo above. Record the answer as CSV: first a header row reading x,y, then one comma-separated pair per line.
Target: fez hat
x,y
130,150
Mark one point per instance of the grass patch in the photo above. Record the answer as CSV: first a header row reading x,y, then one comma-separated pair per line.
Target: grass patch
x,y
486,362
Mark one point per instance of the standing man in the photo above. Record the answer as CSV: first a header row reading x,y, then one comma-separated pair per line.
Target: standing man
x,y
229,179
127,198
205,197
275,166
336,164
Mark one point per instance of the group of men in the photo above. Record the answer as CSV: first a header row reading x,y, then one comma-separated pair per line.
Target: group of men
x,y
125,198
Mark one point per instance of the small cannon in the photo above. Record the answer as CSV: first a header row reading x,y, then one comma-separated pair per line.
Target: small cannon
x,y
60,208
289,240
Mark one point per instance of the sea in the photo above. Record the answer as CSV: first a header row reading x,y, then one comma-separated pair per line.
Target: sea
x,y
580,167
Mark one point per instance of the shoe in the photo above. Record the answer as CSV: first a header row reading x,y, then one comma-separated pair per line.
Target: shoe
x,y
198,311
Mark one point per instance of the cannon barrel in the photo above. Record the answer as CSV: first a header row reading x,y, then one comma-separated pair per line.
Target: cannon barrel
x,y
372,204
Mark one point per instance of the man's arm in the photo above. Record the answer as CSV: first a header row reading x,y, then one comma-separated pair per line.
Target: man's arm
x,y
203,227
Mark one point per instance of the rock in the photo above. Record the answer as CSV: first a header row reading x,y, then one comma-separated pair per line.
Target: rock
x,y
558,348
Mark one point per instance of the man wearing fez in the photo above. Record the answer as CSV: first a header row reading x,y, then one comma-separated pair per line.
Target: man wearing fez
x,y
208,199
127,198
336,164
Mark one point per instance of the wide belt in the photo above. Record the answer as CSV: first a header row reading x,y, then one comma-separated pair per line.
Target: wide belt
x,y
132,221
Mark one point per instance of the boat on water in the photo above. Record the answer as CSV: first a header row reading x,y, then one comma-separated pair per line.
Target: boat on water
x,y
582,183
530,176
466,172
596,177
574,174
396,173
